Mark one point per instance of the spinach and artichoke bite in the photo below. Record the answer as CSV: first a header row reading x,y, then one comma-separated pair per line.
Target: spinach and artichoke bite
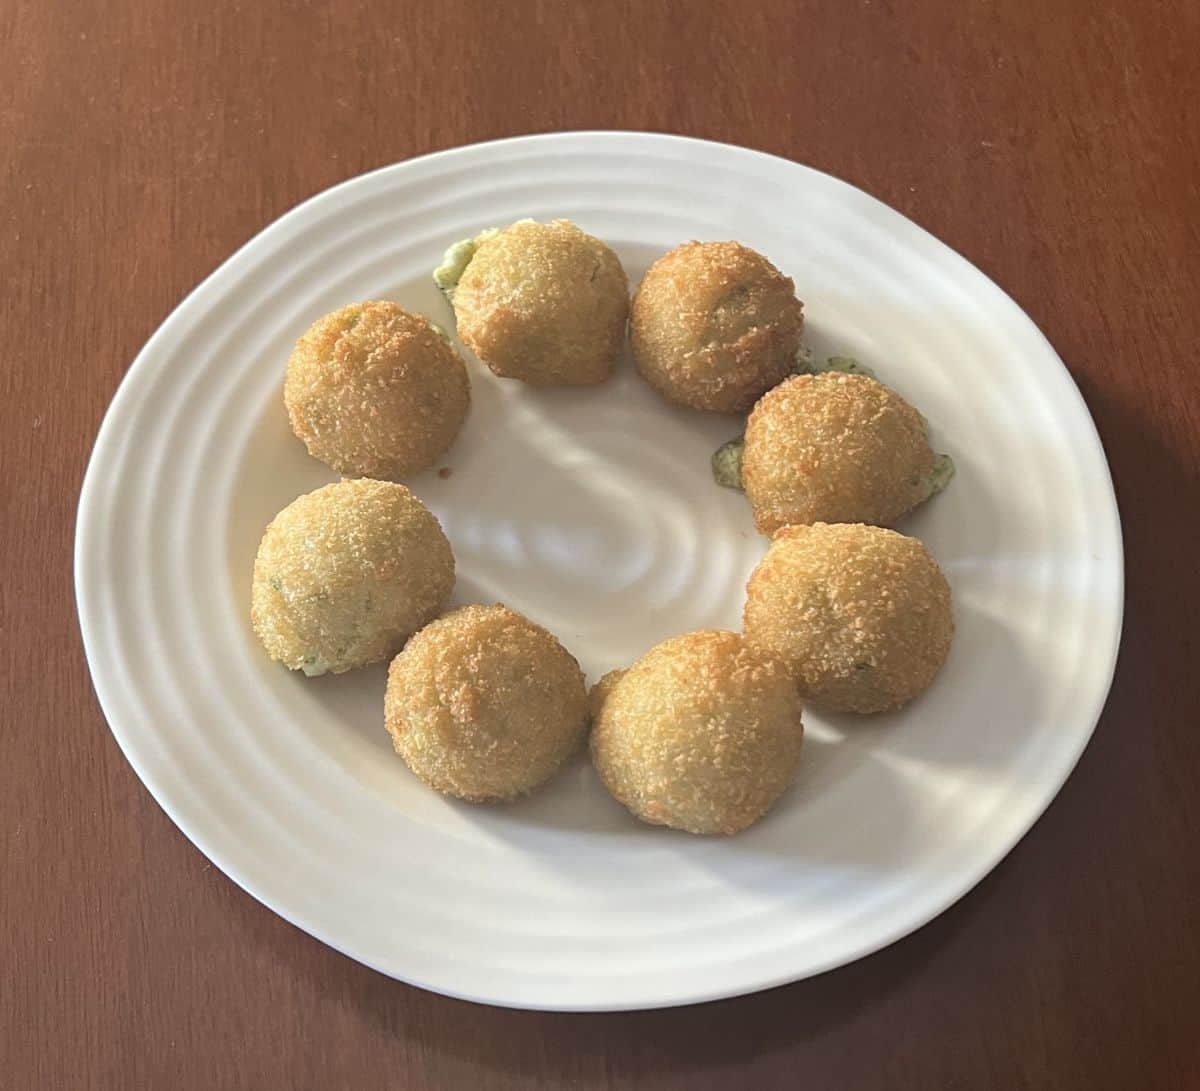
x,y
714,325
376,391
485,705
545,303
701,734
860,614
344,575
835,447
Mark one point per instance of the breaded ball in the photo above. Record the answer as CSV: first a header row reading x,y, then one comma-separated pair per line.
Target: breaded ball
x,y
485,705
714,325
860,614
375,391
344,575
600,691
701,734
543,303
835,448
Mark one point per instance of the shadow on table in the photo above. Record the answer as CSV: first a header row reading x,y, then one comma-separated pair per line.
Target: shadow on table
x,y
553,1049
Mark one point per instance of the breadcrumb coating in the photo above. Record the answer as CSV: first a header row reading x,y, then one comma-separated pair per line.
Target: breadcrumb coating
x,y
375,391
600,691
702,733
484,705
544,303
834,448
714,325
861,614
345,574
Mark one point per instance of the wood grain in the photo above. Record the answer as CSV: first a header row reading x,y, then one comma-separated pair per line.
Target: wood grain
x,y
1056,144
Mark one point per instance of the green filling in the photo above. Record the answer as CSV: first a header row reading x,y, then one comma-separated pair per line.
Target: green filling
x,y
315,665
806,364
941,474
456,259
727,464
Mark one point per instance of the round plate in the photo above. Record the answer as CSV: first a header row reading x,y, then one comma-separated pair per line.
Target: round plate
x,y
593,511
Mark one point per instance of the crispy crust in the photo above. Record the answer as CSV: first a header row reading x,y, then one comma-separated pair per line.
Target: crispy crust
x,y
701,734
715,325
544,303
834,448
375,391
600,691
345,574
484,705
861,614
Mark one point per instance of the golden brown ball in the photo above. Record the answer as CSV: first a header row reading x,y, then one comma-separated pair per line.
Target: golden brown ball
x,y
714,325
484,705
600,691
861,614
375,391
543,303
345,574
702,733
835,448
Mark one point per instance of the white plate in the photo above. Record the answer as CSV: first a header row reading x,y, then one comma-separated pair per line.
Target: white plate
x,y
593,511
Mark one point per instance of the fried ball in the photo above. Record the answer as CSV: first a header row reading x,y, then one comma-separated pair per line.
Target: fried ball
x,y
860,614
346,574
485,705
701,734
714,325
375,391
835,448
543,303
600,691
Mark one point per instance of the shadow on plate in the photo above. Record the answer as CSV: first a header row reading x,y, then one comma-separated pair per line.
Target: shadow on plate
x,y
953,738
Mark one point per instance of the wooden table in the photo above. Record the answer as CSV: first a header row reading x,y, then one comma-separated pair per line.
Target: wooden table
x,y
1056,144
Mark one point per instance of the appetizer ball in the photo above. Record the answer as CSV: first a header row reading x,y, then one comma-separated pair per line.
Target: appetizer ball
x,y
485,705
715,325
544,303
860,614
346,574
375,391
701,734
836,448
600,691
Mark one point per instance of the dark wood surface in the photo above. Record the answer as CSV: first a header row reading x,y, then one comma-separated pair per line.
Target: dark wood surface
x,y
1056,144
